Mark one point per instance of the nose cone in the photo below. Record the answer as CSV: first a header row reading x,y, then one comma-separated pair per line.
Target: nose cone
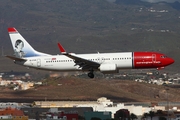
x,y
169,61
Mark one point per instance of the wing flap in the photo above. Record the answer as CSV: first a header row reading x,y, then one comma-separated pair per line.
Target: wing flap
x,y
82,62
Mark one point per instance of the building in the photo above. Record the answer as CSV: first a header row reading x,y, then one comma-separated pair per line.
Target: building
x,y
60,115
41,113
104,105
11,111
12,114
98,115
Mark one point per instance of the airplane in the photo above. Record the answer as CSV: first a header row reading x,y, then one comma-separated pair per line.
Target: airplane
x,y
107,63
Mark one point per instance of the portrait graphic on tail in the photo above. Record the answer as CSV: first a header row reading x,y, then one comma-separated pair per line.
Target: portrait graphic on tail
x,y
18,48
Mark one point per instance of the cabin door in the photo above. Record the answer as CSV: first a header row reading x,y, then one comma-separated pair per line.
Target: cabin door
x,y
153,59
38,62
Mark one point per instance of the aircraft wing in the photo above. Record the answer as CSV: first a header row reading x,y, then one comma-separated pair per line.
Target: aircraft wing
x,y
15,58
83,63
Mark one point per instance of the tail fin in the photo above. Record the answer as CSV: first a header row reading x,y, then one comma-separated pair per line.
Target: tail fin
x,y
21,47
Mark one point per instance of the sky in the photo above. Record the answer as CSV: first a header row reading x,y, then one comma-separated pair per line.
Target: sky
x,y
154,1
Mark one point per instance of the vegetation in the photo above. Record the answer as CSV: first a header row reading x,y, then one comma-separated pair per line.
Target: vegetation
x,y
133,116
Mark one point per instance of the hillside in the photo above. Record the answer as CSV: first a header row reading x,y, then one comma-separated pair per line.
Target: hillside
x,y
71,88
91,26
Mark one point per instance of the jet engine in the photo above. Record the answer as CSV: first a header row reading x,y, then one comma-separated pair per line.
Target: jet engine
x,y
108,68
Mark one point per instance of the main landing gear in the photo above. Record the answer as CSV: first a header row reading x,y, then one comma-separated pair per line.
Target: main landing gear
x,y
91,74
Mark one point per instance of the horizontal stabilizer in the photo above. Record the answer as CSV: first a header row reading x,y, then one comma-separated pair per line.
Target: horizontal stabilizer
x,y
15,58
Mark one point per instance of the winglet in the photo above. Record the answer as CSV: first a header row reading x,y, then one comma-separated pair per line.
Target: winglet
x,y
63,51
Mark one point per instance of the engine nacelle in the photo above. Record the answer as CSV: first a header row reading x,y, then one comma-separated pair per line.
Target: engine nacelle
x,y
108,68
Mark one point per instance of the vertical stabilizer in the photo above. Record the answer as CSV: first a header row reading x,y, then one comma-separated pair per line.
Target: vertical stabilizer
x,y
20,46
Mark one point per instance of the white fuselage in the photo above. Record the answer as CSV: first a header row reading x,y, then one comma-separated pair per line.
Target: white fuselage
x,y
64,63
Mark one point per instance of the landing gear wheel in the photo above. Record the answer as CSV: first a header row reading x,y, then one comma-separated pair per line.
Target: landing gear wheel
x,y
91,75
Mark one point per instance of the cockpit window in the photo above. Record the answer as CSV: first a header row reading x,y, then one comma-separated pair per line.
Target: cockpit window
x,y
163,56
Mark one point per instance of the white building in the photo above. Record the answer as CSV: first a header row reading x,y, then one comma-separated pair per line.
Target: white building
x,y
102,104
5,117
107,105
11,105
